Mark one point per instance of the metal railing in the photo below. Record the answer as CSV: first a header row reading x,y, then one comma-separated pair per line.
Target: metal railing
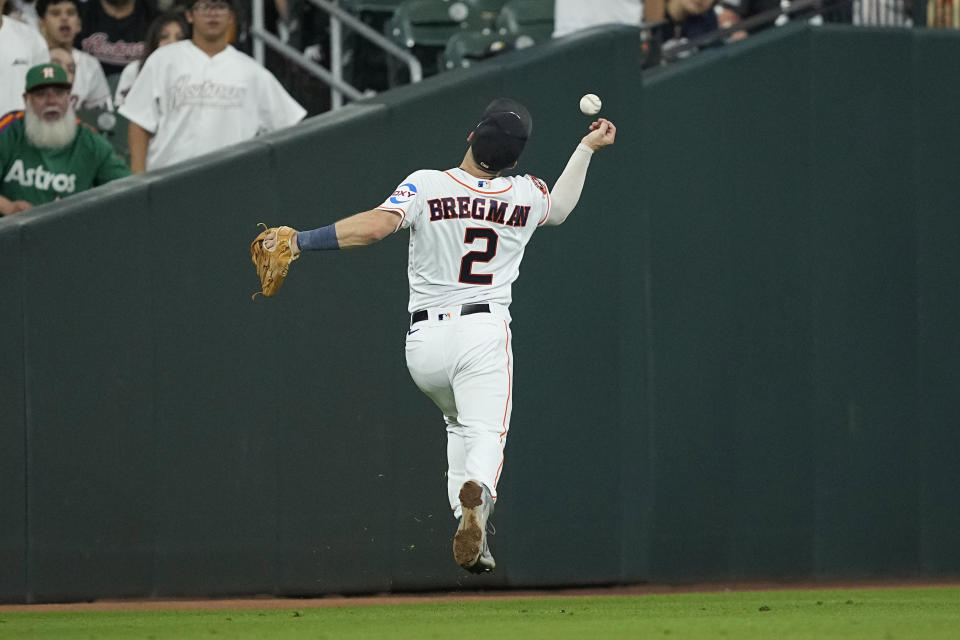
x,y
339,88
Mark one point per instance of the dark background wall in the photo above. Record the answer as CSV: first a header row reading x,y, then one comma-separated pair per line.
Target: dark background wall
x,y
735,360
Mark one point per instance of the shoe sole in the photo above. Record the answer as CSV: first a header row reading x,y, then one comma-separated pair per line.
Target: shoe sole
x,y
469,537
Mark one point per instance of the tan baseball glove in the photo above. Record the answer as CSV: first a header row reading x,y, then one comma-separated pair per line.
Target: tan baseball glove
x,y
272,264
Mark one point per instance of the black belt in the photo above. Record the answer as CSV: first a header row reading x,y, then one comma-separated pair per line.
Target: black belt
x,y
465,310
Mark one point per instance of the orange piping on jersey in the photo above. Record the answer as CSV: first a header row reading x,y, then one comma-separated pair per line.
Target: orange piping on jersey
x,y
547,214
403,215
506,409
496,478
477,190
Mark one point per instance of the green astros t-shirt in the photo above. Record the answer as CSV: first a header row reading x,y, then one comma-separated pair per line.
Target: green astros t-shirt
x,y
44,175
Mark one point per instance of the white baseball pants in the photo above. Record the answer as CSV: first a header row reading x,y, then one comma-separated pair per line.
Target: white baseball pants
x,y
465,365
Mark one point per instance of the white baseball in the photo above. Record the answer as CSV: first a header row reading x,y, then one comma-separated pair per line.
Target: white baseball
x,y
590,104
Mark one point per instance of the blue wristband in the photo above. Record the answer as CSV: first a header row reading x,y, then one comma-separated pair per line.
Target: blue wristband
x,y
322,239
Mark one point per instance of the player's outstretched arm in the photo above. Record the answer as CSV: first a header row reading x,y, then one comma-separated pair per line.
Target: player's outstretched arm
x,y
566,192
366,228
358,230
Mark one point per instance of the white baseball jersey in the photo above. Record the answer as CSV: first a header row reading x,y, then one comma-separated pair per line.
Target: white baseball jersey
x,y
90,89
21,47
125,83
194,103
574,15
25,12
467,235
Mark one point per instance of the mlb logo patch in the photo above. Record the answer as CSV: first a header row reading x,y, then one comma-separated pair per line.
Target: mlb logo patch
x,y
483,184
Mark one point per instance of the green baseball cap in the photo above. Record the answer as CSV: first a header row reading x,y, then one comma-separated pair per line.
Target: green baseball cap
x,y
46,75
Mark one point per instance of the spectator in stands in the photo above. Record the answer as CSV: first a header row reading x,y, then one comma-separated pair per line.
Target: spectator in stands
x,y
883,13
733,12
60,23
199,95
21,47
166,29
113,31
778,13
943,14
574,15
45,152
687,20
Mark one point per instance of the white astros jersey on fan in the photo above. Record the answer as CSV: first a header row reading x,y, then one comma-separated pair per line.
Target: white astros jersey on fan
x,y
21,47
467,235
90,89
194,103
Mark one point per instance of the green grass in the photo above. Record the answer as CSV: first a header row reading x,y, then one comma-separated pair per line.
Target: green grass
x,y
880,614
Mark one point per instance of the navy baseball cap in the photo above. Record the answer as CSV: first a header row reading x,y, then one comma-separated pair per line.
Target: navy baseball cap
x,y
499,138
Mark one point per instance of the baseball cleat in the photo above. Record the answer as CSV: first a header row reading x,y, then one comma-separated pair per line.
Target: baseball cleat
x,y
485,563
470,548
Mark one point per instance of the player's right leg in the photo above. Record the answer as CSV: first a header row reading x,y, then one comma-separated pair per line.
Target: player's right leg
x,y
483,392
482,386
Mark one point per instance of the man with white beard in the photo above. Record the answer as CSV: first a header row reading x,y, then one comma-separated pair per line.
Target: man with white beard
x,y
45,153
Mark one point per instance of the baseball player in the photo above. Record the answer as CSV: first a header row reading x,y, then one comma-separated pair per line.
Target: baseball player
x,y
468,229
199,95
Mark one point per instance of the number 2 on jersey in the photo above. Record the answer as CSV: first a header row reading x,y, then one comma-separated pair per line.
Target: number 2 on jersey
x,y
466,265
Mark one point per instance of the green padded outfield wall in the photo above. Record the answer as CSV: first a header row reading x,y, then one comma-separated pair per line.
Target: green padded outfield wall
x,y
13,533
938,302
736,360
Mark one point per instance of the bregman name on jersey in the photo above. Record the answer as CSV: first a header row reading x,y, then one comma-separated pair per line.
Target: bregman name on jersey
x,y
489,209
40,179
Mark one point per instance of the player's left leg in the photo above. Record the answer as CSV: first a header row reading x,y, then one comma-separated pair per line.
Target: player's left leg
x,y
426,350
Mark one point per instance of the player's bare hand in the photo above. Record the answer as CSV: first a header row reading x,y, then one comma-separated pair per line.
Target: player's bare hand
x,y
270,242
602,134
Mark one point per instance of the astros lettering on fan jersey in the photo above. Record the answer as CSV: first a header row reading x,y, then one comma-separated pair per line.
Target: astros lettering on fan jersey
x,y
44,175
467,235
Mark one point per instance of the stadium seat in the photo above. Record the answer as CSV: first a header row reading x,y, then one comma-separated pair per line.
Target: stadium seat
x,y
465,49
488,11
365,63
423,27
529,21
